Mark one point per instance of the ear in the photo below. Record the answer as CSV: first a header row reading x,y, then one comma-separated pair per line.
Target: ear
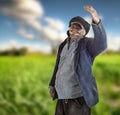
x,y
68,33
82,32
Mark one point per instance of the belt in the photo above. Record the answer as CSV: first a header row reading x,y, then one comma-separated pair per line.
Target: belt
x,y
79,98
66,100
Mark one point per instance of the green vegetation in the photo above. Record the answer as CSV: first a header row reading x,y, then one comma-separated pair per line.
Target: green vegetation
x,y
24,85
107,72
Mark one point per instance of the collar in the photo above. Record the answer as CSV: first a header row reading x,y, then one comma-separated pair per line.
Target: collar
x,y
76,40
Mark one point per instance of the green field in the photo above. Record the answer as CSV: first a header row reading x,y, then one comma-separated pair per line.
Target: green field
x,y
24,85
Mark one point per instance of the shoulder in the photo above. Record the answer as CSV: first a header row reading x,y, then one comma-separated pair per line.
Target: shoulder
x,y
61,46
63,43
88,40
85,40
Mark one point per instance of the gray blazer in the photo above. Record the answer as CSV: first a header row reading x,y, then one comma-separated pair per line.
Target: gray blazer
x,y
87,50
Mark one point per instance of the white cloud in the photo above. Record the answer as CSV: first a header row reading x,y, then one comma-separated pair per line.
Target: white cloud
x,y
25,11
50,33
7,46
54,30
24,34
22,9
113,42
31,48
53,34
55,24
38,48
30,13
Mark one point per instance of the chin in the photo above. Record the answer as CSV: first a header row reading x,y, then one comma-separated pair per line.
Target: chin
x,y
73,37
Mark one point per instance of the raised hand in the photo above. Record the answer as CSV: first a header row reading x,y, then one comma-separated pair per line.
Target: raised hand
x,y
93,13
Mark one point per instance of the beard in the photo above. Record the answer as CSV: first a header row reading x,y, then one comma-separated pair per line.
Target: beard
x,y
74,33
79,33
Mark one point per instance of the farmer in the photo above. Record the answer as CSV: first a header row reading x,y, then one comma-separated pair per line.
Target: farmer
x,y
73,83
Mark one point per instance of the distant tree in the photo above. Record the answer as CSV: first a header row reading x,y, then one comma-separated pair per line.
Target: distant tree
x,y
23,51
15,52
6,52
119,50
110,51
55,45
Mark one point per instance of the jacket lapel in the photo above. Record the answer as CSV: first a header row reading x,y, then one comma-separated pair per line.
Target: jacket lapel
x,y
81,46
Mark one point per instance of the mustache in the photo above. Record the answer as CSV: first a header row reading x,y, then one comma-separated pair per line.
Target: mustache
x,y
77,33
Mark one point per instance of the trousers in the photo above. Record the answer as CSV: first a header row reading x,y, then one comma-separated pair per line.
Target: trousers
x,y
75,106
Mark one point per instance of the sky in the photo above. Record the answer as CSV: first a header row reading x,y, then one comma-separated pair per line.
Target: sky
x,y
37,24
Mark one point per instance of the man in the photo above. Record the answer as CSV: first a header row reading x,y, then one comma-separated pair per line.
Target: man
x,y
73,82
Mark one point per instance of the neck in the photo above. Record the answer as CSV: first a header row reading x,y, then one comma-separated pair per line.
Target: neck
x,y
74,38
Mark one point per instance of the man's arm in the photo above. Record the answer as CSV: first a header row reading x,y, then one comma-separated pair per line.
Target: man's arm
x,y
93,13
99,43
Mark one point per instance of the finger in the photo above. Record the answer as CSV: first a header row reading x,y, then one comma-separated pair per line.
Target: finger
x,y
51,93
89,8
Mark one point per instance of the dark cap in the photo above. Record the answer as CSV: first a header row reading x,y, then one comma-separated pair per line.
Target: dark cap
x,y
81,21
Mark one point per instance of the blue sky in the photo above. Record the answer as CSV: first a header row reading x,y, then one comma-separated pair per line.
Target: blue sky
x,y
39,23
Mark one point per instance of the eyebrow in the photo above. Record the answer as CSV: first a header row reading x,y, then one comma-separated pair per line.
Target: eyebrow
x,y
79,24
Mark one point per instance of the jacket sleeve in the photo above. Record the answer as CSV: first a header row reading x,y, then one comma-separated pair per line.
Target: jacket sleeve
x,y
99,42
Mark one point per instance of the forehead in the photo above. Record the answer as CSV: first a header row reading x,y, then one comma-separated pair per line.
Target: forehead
x,y
75,25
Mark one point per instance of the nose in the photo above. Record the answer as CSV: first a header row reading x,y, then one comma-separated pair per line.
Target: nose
x,y
74,27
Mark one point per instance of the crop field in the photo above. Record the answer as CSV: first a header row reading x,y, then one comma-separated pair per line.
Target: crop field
x,y
24,85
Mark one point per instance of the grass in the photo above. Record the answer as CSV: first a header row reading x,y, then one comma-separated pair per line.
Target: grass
x,y
106,70
24,85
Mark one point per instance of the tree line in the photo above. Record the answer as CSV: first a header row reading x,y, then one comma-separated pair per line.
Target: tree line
x,y
15,52
24,51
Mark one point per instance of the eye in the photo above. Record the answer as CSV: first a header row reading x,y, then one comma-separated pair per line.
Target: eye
x,y
77,28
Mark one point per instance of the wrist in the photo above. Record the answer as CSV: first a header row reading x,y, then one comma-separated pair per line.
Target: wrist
x,y
96,21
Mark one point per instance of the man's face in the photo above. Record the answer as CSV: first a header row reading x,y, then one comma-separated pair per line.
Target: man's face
x,y
76,31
